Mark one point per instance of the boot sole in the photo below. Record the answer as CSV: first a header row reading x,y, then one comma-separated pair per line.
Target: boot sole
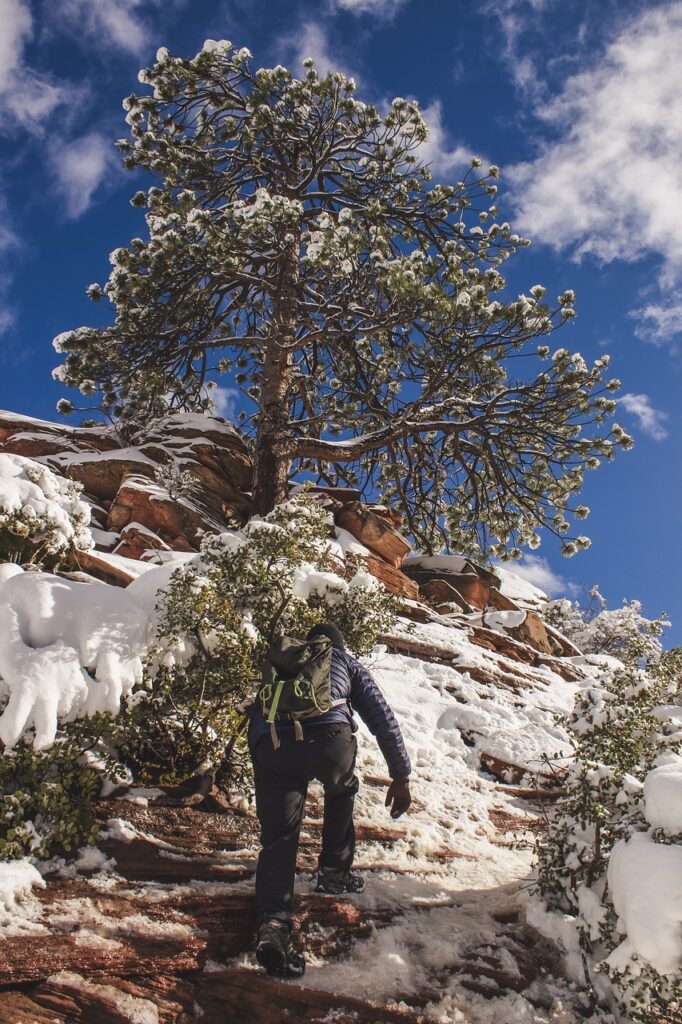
x,y
278,966
341,892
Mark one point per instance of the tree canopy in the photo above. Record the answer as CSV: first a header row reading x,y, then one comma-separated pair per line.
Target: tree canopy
x,y
297,247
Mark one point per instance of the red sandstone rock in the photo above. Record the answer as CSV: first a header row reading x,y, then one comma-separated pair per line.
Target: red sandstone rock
x,y
393,579
438,592
532,632
374,532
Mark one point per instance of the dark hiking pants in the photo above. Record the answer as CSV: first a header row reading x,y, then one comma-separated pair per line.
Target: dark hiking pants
x,y
281,776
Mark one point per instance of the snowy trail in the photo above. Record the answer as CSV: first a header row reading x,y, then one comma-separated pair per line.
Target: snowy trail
x,y
438,935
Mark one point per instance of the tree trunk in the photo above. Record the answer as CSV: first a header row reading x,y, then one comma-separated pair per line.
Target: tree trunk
x,y
274,441
272,459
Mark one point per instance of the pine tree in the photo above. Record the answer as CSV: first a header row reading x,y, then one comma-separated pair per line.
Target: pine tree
x,y
296,242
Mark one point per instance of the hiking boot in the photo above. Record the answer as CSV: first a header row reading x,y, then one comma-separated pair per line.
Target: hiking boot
x,y
274,951
334,882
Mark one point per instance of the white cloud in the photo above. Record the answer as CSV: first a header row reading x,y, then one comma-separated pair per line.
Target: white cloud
x,y
313,43
437,151
81,166
9,244
6,320
611,183
119,23
311,40
659,323
513,17
17,27
537,571
26,97
381,8
224,402
650,420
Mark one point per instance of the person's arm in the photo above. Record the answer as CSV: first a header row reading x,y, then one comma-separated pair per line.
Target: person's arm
x,y
368,700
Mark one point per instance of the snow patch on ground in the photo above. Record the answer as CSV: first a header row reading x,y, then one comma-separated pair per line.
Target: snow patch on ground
x,y
19,910
133,1008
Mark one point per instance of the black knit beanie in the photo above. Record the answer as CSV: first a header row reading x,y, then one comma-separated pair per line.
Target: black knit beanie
x,y
331,632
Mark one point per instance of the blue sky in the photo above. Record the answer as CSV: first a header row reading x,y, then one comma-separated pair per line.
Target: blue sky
x,y
578,102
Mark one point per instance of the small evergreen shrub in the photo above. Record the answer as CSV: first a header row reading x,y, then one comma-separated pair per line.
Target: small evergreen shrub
x,y
46,801
179,482
41,515
596,629
617,736
216,620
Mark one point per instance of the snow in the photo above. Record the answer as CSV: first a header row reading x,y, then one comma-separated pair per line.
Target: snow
x,y
562,930
91,859
501,621
663,795
104,538
349,544
37,504
645,882
157,556
519,590
68,650
120,830
309,581
19,909
145,589
17,879
9,569
128,567
446,563
519,729
132,1008
144,530
128,455
16,417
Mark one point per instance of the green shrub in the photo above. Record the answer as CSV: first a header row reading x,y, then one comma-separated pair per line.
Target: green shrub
x,y
46,806
617,737
217,619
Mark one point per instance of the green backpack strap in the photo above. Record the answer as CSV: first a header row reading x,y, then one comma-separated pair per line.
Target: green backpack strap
x,y
275,701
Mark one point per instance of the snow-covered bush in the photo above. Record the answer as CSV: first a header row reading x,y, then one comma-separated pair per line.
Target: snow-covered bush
x,y
41,515
68,652
179,482
596,629
218,616
596,856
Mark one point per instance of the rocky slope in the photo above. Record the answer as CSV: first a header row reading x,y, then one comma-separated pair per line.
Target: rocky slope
x,y
156,925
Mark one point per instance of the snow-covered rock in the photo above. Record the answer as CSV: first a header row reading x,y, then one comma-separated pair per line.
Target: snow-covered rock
x,y
645,881
663,795
119,484
67,650
519,590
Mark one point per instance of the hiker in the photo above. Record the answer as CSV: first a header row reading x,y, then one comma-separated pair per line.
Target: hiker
x,y
293,740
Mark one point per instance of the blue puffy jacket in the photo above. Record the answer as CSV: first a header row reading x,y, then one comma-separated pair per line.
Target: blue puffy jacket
x,y
351,682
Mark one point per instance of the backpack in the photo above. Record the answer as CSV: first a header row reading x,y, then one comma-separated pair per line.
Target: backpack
x,y
296,682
